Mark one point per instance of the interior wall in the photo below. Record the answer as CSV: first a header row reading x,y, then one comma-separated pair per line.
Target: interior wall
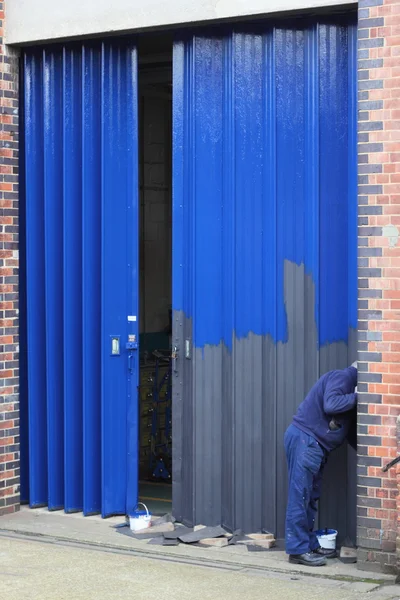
x,y
155,218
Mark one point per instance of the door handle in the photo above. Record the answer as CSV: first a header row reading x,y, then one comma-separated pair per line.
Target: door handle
x,y
174,357
131,347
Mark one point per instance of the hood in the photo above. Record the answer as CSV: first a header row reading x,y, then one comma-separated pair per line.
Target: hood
x,y
353,374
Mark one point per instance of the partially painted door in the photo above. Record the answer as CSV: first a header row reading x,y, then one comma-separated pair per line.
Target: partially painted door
x,y
264,260
81,238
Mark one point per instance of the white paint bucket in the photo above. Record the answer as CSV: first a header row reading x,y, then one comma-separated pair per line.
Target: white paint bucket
x,y
327,538
140,519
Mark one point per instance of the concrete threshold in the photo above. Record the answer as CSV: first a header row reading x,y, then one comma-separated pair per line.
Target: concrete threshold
x,y
100,534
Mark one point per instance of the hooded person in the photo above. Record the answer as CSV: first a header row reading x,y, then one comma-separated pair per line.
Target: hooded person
x,y
323,422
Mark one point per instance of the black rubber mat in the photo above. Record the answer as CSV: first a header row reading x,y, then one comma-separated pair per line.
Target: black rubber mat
x,y
202,534
157,541
179,531
174,542
252,548
237,536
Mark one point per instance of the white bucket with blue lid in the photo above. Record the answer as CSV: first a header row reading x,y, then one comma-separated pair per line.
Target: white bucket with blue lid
x,y
327,538
140,519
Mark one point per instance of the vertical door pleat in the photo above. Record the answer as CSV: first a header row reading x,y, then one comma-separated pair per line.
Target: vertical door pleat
x,y
292,276
333,82
206,217
311,203
228,284
72,269
119,188
53,218
53,206
132,275
268,274
35,274
91,279
352,188
182,501
249,119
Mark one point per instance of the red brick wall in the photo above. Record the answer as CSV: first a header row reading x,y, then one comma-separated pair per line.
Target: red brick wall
x,y
9,416
379,278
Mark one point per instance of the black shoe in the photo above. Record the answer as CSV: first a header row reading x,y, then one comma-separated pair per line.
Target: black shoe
x,y
325,553
310,559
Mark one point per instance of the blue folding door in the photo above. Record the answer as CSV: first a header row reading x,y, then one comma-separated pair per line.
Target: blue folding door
x,y
81,262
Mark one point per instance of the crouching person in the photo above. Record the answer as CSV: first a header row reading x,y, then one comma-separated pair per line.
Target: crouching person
x,y
324,420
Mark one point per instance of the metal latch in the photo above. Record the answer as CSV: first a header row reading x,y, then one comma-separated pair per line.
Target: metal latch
x,y
174,357
131,347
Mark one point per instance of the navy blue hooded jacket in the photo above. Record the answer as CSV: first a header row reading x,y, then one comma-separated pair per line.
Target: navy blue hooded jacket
x,y
332,396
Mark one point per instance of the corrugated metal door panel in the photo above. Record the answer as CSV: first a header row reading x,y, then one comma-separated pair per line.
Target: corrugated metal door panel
x,y
35,274
249,117
91,268
228,297
337,121
264,197
72,271
297,229
53,221
206,219
129,139
334,182
269,274
82,253
119,266
182,464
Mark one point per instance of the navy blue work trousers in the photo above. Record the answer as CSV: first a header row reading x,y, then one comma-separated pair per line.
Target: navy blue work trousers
x,y
306,460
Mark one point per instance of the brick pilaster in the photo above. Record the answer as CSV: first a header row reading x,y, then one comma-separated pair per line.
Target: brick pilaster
x,y
379,278
9,365
398,497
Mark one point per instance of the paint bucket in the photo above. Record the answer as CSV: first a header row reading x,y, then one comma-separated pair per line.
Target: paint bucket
x,y
140,519
327,538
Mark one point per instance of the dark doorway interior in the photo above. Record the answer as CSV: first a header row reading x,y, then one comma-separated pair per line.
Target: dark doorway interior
x,y
155,226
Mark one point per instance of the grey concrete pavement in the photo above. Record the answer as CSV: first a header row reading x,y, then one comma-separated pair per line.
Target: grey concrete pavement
x,y
47,555
101,532
39,570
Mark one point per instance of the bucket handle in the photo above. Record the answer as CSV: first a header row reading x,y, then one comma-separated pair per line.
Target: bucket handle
x,y
141,504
